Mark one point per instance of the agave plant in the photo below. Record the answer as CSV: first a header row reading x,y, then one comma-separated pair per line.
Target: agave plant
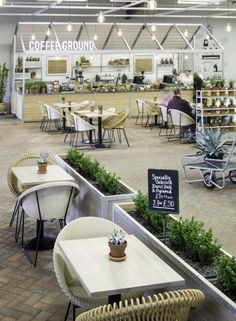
x,y
211,143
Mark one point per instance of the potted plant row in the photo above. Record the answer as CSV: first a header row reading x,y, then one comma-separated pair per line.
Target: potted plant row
x,y
3,84
35,87
99,189
189,246
217,88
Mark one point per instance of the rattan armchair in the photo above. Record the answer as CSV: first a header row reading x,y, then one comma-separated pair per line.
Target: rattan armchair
x,y
26,159
117,123
168,306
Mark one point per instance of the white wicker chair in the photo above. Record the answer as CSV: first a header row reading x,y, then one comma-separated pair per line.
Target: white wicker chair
x,y
45,202
141,110
180,121
85,227
54,116
82,127
167,306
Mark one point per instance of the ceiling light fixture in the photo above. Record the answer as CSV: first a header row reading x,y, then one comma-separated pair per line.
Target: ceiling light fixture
x,y
49,31
186,32
119,32
151,4
185,57
228,27
207,37
33,34
153,37
101,17
69,26
153,28
2,3
95,37
196,1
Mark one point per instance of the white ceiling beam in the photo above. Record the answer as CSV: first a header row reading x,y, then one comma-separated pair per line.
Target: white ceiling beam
x,y
123,38
182,35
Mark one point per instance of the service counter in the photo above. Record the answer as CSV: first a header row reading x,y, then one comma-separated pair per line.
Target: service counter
x,y
28,109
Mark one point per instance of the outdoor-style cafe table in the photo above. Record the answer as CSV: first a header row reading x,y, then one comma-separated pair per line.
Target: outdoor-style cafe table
x,y
142,270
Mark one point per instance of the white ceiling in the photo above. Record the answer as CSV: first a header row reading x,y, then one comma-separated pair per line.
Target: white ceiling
x,y
117,9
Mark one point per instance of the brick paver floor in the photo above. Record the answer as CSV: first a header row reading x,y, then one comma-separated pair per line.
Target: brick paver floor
x,y
28,293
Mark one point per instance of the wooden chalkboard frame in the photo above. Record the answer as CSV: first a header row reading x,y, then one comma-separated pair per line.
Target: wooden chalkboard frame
x,y
163,191
62,71
143,63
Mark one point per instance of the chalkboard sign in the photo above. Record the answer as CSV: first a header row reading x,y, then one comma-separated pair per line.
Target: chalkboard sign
x,y
163,191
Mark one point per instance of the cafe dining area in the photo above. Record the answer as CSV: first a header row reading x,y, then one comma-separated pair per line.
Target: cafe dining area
x,y
56,263
118,160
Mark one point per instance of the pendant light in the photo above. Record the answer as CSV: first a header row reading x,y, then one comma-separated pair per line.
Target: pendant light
x,y
153,28
2,3
151,4
33,34
153,37
185,57
186,32
228,27
95,37
49,31
101,17
119,32
69,26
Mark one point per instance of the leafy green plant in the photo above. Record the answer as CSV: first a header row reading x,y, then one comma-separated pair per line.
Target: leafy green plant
x,y
190,236
211,142
226,272
141,207
3,81
231,84
92,170
107,181
222,83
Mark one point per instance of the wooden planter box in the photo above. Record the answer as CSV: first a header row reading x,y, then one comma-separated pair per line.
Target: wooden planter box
x,y
91,202
217,306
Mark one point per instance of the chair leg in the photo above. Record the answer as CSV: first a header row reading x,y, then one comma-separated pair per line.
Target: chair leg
x,y
37,244
67,311
126,138
74,307
13,214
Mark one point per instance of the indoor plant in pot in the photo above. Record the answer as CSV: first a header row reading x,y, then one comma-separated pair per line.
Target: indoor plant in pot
x,y
117,244
43,163
211,143
3,84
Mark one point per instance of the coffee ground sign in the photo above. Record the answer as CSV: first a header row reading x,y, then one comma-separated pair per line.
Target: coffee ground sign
x,y
163,191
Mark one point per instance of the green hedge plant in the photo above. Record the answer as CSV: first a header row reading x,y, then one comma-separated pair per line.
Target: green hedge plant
x,y
142,210
191,236
92,170
226,272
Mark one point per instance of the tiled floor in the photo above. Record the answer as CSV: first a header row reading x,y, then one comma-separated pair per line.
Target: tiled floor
x,y
28,293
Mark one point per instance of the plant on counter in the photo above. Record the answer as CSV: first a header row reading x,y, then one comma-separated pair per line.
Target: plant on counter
x,y
3,81
92,171
211,143
231,84
117,244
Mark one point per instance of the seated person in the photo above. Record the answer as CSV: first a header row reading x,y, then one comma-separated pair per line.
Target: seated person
x,y
180,104
183,105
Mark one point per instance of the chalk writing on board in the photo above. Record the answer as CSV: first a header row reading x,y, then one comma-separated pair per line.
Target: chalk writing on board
x,y
163,188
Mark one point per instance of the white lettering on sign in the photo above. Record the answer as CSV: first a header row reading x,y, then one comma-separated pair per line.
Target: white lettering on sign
x,y
61,46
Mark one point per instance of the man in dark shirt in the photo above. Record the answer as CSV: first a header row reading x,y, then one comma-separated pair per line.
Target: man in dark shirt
x,y
180,104
183,105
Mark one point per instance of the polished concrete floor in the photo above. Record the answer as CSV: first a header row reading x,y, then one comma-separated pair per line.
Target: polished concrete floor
x,y
28,293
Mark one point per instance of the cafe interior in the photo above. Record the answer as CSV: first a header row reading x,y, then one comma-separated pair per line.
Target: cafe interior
x,y
118,129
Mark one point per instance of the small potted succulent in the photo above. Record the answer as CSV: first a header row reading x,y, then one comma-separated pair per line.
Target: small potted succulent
x,y
117,244
43,162
100,109
63,99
